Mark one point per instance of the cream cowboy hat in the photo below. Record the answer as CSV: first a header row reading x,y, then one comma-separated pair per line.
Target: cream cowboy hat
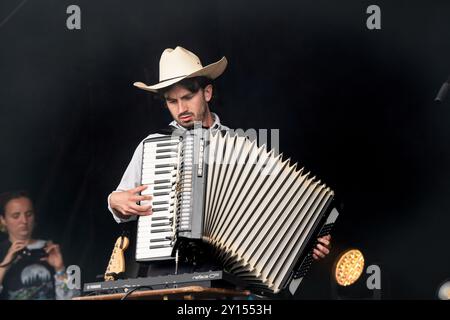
x,y
178,64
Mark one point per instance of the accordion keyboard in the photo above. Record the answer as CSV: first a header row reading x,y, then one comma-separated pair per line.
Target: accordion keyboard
x,y
156,232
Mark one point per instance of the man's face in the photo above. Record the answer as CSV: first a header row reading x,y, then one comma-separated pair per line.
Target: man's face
x,y
186,106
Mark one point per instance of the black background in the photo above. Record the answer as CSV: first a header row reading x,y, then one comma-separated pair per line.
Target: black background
x,y
354,106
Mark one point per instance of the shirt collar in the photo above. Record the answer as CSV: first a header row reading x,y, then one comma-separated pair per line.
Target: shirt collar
x,y
215,125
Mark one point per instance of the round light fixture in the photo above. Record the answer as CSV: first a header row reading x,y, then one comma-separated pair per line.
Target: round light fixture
x,y
349,267
444,291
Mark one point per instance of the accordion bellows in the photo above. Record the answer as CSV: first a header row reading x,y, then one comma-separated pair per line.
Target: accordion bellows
x,y
257,210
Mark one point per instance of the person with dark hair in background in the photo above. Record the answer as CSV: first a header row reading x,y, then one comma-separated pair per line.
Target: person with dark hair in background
x,y
187,89
30,269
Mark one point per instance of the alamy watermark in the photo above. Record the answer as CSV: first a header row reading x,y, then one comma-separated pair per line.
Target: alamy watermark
x,y
73,21
239,147
73,277
373,22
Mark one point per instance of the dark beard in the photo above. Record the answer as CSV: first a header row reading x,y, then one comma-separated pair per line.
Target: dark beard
x,y
201,116
189,127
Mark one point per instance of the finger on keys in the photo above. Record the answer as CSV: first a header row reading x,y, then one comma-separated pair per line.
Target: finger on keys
x,y
139,189
131,212
323,249
318,253
324,241
137,213
143,198
142,210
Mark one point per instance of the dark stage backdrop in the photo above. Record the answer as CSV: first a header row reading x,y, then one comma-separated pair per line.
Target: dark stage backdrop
x,y
354,106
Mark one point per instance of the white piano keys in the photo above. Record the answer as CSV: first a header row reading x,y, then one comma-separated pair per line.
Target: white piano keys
x,y
156,232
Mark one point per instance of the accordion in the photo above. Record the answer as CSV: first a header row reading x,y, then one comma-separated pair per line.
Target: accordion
x,y
260,213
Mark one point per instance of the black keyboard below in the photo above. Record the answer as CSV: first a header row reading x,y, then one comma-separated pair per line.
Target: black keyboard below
x,y
206,279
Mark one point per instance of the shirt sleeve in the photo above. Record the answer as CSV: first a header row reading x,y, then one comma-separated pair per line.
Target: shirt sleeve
x,y
130,179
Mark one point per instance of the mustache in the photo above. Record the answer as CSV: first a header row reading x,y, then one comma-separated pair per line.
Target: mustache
x,y
185,114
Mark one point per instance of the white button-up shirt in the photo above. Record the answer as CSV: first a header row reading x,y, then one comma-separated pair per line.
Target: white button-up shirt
x,y
132,176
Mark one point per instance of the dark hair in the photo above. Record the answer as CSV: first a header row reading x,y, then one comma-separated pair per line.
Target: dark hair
x,y
5,197
192,84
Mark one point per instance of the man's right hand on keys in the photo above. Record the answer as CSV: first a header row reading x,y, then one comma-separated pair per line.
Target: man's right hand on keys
x,y
124,203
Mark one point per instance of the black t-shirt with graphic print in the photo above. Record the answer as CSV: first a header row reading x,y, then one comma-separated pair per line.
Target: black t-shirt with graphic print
x,y
28,278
